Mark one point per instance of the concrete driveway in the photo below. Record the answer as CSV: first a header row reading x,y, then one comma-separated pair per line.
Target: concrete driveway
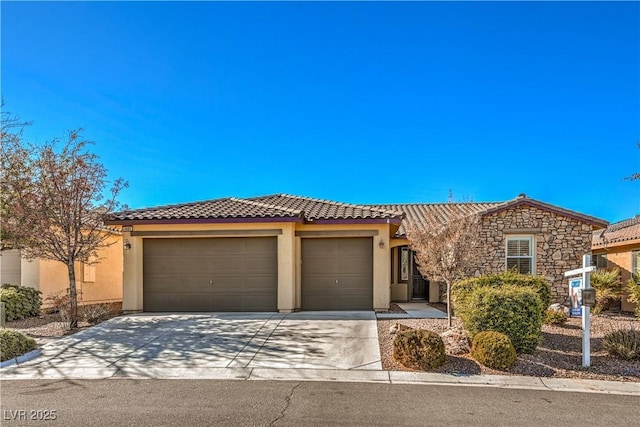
x,y
172,344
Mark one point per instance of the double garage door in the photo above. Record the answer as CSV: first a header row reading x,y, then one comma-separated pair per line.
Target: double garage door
x,y
219,274
241,274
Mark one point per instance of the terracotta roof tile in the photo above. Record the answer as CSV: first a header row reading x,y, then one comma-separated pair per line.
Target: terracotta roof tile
x,y
416,212
621,233
226,208
317,209
271,207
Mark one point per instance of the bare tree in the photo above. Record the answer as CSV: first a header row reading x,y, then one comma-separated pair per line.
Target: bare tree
x,y
14,163
447,249
54,203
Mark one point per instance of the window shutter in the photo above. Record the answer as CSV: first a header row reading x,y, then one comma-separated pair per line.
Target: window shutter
x,y
89,273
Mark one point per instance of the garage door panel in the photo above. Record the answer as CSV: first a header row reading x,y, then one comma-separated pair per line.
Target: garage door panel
x,y
210,274
349,261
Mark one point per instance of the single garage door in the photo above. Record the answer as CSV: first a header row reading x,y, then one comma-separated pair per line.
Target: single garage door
x,y
210,274
337,274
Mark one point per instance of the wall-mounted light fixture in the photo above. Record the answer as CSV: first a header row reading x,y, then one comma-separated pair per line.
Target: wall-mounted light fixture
x,y
127,245
381,243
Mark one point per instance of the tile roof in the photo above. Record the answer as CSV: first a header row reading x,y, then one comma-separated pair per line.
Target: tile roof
x,y
621,233
282,207
417,212
317,209
286,207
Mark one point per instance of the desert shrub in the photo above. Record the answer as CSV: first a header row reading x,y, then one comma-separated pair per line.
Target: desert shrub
x,y
61,303
608,288
623,343
419,348
515,311
633,287
96,313
554,317
20,301
14,344
494,350
461,291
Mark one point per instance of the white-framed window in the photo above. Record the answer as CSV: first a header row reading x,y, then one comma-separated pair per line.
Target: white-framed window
x,y
599,261
635,263
520,254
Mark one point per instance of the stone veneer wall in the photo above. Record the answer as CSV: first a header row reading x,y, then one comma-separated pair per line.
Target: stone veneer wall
x,y
559,244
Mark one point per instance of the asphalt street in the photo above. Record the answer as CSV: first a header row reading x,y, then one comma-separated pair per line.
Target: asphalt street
x,y
127,402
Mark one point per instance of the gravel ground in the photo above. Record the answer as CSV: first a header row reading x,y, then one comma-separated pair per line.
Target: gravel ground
x,y
46,328
559,354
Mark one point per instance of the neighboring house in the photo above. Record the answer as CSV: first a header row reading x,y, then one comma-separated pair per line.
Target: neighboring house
x,y
96,283
286,253
618,246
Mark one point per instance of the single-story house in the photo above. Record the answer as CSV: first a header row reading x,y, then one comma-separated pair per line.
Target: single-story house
x,y
286,253
618,246
96,283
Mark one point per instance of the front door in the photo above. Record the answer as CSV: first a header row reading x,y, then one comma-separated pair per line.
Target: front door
x,y
419,285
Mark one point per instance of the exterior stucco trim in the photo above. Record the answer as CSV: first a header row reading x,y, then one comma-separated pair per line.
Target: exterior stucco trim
x,y
268,232
337,233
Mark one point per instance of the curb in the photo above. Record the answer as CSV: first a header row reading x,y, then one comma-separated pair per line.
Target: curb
x,y
21,359
329,375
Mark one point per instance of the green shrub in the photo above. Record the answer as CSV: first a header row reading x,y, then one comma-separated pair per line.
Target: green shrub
x,y
513,310
623,343
554,317
633,286
14,344
608,288
419,349
461,290
20,301
494,350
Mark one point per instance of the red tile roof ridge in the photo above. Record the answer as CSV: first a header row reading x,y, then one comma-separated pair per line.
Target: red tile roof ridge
x,y
332,202
296,212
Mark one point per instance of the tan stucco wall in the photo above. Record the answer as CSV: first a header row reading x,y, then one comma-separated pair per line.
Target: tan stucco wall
x,y
620,257
10,267
289,255
52,278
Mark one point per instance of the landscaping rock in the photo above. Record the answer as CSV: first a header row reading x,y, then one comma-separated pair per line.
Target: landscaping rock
x,y
456,341
559,307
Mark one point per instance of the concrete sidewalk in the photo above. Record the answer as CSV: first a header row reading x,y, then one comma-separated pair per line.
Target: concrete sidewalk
x,y
414,310
337,375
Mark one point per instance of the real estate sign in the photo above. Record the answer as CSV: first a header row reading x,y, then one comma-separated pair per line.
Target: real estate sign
x,y
575,297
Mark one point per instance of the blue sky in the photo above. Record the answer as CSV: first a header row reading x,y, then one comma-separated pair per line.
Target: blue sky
x,y
356,102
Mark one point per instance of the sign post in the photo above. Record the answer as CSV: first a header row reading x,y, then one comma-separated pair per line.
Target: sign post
x,y
586,319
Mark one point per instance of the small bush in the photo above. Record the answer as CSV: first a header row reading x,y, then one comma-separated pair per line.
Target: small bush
x,y
493,350
633,286
419,349
14,344
554,317
608,288
623,343
461,290
96,313
20,301
62,305
513,310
